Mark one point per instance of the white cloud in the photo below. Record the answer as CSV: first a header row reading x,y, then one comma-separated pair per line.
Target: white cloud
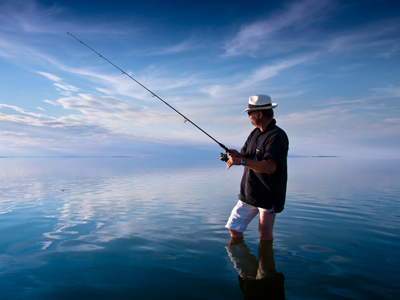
x,y
112,109
298,15
268,71
296,29
390,92
260,75
33,17
379,38
26,15
66,87
52,77
191,43
105,91
21,119
287,95
349,67
50,102
90,104
335,129
21,110
12,133
392,120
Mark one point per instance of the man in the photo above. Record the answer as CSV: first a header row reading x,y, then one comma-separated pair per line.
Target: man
x,y
263,185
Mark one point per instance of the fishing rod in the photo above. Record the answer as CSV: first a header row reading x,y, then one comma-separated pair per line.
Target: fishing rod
x,y
222,156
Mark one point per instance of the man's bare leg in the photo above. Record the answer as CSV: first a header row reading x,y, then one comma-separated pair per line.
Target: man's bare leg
x,y
236,237
266,225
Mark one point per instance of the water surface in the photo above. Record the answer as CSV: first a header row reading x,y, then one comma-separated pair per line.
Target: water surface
x,y
128,228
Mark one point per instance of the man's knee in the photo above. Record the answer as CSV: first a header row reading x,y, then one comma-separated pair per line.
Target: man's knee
x,y
266,226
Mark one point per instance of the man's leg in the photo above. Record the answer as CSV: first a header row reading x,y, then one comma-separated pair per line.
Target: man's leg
x,y
240,217
266,225
236,234
236,238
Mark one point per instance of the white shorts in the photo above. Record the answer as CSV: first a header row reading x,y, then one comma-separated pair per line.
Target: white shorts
x,y
242,214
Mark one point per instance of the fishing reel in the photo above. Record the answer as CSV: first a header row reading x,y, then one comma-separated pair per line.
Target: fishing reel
x,y
224,157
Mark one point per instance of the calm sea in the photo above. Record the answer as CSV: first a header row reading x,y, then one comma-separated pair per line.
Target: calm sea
x,y
130,228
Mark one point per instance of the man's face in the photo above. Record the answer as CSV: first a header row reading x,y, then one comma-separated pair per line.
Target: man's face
x,y
255,117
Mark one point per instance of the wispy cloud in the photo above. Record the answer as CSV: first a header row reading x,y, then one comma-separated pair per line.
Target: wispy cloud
x,y
21,119
380,38
33,17
297,16
23,111
100,105
49,76
189,44
392,120
27,16
269,71
257,76
295,29
389,92
6,133
349,120
65,87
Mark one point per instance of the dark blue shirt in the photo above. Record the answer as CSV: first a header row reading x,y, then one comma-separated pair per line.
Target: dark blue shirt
x,y
261,189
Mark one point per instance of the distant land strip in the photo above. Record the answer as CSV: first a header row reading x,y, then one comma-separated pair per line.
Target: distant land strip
x,y
130,156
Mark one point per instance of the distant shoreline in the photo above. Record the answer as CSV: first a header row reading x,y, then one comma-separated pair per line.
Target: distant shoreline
x,y
135,156
72,156
313,156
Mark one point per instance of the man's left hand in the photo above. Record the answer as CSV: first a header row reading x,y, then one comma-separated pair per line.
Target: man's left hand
x,y
233,161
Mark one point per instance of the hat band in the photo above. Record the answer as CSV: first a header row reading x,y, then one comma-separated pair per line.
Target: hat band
x,y
255,106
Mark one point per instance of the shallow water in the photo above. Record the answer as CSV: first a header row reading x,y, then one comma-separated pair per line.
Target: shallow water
x,y
126,228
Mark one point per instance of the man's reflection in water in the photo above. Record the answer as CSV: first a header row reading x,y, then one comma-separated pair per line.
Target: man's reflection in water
x,y
258,279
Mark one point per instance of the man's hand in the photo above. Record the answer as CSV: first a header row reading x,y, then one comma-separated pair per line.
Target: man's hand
x,y
233,161
235,158
233,153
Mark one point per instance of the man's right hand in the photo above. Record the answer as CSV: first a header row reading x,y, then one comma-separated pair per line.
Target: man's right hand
x,y
233,153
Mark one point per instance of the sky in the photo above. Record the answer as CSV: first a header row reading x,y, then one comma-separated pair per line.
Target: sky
x,y
332,66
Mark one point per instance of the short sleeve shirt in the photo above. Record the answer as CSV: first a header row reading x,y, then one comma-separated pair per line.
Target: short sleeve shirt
x,y
262,189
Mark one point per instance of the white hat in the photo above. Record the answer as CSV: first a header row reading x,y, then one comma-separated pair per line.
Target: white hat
x,y
260,102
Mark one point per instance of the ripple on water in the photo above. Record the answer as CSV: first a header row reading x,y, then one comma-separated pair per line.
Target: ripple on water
x,y
70,283
316,249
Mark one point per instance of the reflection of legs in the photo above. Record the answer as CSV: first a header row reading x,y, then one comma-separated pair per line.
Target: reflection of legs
x,y
266,261
245,263
266,225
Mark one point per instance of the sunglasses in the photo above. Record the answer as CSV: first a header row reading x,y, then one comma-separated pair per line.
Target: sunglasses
x,y
250,112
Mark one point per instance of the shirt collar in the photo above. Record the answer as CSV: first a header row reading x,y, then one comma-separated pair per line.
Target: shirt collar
x,y
269,126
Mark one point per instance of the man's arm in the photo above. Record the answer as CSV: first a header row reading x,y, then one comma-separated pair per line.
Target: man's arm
x,y
268,166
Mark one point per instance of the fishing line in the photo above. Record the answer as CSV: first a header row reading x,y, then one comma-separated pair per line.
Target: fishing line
x,y
154,95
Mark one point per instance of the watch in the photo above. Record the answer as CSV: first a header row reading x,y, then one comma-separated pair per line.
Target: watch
x,y
244,160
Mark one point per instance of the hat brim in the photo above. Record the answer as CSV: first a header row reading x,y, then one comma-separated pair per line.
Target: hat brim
x,y
273,105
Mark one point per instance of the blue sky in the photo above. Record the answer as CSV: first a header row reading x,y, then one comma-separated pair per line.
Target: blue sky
x,y
332,66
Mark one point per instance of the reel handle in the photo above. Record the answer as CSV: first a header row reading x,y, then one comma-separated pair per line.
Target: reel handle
x,y
224,157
